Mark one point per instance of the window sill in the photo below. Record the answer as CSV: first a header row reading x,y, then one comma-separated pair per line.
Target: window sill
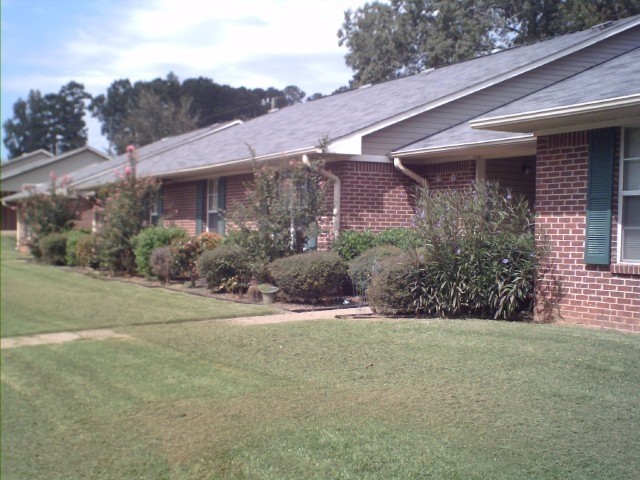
x,y
626,268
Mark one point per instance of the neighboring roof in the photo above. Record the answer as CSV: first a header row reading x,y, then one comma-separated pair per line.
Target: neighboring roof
x,y
300,128
93,176
13,170
610,91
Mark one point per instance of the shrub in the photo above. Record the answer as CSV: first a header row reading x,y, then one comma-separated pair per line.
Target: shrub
x,y
404,238
309,276
481,253
53,248
86,253
226,267
148,240
46,213
161,263
72,246
352,243
389,292
186,252
367,263
257,247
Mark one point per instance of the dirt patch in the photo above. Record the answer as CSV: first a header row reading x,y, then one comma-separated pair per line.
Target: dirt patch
x,y
60,337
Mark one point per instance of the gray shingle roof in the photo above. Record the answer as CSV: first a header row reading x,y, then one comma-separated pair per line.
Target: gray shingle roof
x,y
616,78
13,170
461,135
303,125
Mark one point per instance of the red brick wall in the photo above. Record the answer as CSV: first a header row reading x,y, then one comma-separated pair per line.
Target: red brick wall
x,y
180,205
376,196
593,295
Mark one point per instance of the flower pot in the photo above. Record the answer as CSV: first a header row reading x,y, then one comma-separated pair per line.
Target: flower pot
x,y
268,298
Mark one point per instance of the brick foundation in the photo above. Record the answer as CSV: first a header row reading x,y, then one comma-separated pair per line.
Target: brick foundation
x,y
603,296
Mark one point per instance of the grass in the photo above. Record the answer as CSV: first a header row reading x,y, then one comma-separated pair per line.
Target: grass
x,y
321,400
40,299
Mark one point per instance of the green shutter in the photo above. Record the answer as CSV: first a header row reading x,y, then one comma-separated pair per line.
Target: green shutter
x,y
599,197
200,193
161,201
222,203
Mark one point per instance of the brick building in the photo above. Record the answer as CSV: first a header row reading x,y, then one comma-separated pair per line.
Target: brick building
x,y
445,128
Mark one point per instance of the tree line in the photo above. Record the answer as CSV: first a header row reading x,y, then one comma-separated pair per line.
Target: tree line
x,y
134,113
384,40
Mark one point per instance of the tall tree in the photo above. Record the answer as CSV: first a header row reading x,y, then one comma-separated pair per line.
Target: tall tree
x,y
389,40
53,122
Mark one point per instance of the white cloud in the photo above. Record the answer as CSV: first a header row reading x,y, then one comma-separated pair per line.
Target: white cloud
x,y
251,43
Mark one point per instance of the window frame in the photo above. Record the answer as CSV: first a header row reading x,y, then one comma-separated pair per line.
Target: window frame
x,y
622,194
213,193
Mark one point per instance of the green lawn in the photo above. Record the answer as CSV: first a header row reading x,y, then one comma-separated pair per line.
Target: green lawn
x,y
38,299
342,399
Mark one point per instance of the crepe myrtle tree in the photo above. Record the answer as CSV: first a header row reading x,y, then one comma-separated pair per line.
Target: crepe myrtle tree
x,y
282,210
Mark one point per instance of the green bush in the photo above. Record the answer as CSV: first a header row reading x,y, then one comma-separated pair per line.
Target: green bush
x,y
367,263
186,251
257,247
162,263
389,292
226,267
404,238
352,243
72,246
148,240
86,252
53,248
309,276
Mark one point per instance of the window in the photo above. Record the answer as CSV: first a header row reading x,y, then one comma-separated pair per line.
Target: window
x,y
630,196
156,210
216,197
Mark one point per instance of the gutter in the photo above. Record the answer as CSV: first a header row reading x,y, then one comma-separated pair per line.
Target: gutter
x,y
337,193
409,173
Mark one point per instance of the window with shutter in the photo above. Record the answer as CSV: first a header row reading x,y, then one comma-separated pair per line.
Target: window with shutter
x,y
630,196
599,197
216,199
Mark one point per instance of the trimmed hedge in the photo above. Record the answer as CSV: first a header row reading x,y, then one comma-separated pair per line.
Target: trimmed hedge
x,y
162,263
309,276
148,240
225,266
368,263
53,248
390,290
73,237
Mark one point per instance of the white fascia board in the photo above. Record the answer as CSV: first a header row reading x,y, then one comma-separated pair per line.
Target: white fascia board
x,y
466,146
606,33
509,122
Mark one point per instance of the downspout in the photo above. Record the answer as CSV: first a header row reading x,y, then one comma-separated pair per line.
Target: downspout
x,y
409,173
337,191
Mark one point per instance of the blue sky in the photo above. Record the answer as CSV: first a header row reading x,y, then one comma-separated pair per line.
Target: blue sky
x,y
251,43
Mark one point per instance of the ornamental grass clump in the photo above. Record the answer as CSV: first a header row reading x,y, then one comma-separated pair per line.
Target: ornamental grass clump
x,y
480,253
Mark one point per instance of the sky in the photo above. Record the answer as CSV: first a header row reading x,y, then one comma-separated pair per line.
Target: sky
x,y
251,43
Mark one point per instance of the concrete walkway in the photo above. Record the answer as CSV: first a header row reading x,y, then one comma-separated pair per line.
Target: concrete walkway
x,y
103,334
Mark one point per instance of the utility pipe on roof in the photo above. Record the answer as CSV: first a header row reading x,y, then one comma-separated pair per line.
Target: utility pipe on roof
x,y
337,191
409,173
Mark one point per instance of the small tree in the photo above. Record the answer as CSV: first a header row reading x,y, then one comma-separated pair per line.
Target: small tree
x,y
282,209
48,212
124,215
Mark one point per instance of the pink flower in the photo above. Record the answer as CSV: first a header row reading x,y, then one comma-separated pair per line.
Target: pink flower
x,y
53,176
127,170
131,149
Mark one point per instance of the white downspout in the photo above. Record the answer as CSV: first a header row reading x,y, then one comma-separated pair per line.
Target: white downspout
x,y
337,192
411,174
